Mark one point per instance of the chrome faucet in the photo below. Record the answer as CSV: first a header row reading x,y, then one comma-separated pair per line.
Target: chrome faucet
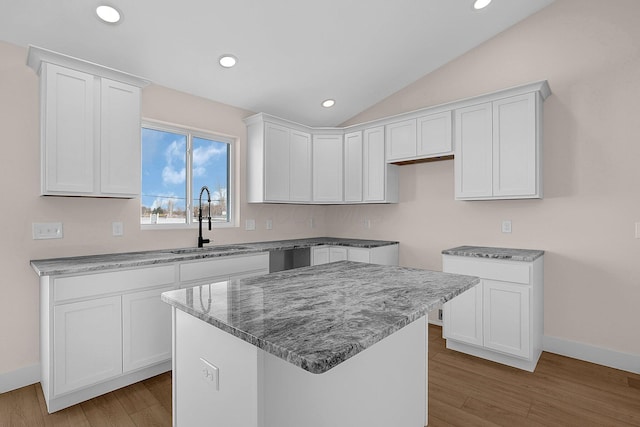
x,y
202,241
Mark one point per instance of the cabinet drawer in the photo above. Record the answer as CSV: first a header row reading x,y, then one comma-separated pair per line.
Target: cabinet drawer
x,y
90,285
223,266
505,271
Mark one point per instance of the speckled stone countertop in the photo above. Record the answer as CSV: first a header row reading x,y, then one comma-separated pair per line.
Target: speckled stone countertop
x,y
89,263
317,317
527,255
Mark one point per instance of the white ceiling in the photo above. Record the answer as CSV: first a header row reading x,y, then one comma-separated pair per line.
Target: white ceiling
x,y
292,53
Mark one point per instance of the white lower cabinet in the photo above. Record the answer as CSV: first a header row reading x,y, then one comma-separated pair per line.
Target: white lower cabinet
x,y
109,329
501,318
88,343
145,321
385,255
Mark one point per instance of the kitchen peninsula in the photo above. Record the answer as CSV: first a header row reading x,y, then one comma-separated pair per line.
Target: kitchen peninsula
x,y
341,344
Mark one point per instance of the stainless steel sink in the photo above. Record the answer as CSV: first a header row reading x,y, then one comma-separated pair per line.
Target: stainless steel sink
x,y
219,248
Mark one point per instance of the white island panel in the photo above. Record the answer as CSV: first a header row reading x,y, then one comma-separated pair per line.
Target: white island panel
x,y
384,385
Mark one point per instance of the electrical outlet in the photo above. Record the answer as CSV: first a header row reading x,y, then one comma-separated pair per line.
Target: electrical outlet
x,y
250,224
46,230
269,224
210,374
439,314
367,223
117,228
506,226
637,230
312,223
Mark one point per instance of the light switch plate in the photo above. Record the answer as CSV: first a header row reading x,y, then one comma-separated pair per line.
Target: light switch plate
x,y
46,230
117,228
250,224
506,226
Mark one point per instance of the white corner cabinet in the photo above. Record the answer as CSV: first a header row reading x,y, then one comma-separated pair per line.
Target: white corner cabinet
x,y
384,255
105,330
90,127
500,319
291,163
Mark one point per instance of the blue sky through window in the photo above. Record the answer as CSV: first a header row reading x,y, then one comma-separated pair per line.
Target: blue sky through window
x,y
164,175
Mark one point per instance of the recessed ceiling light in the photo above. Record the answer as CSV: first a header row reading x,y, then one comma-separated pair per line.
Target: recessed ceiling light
x,y
328,103
108,14
481,4
228,61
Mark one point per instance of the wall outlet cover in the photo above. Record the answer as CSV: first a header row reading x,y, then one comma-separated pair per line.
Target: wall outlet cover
x,y
506,226
117,228
250,224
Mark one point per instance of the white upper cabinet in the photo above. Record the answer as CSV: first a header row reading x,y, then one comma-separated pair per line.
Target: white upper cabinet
x,y
67,130
278,163
434,135
90,127
498,149
424,137
401,140
327,168
380,178
353,157
495,140
119,138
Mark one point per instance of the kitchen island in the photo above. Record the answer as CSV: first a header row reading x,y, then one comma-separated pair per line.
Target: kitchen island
x,y
340,344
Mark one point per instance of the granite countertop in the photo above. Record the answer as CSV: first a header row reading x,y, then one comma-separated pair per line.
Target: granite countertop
x,y
317,317
89,263
527,255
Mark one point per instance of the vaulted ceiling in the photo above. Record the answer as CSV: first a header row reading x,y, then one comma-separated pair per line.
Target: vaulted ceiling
x,y
292,54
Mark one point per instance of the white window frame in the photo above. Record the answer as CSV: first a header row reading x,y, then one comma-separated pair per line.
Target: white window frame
x,y
233,197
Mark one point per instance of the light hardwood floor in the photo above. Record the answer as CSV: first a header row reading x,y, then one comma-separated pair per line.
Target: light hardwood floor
x,y
463,391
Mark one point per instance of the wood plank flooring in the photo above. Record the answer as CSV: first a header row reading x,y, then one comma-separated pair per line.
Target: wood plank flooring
x,y
463,391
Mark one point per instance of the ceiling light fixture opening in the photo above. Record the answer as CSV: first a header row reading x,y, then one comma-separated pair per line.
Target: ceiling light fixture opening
x,y
481,4
228,61
109,14
328,103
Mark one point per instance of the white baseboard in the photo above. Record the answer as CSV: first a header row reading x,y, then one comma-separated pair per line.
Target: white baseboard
x,y
601,356
19,378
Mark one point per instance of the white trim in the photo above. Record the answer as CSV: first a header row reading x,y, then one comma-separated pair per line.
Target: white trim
x,y
19,378
589,353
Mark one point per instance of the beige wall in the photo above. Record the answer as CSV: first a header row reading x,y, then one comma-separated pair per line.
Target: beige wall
x,y
589,51
87,221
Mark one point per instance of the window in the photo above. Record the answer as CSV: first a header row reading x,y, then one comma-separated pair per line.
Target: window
x,y
176,164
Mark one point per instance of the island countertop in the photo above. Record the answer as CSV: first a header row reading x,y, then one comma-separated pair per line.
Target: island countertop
x,y
317,317
89,263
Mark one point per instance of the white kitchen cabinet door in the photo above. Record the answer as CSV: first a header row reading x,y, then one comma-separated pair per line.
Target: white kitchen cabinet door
x,y
87,343
276,163
299,166
327,168
401,140
359,255
462,317
146,329
473,160
337,254
434,135
119,138
353,173
319,255
506,317
374,165
514,146
67,117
